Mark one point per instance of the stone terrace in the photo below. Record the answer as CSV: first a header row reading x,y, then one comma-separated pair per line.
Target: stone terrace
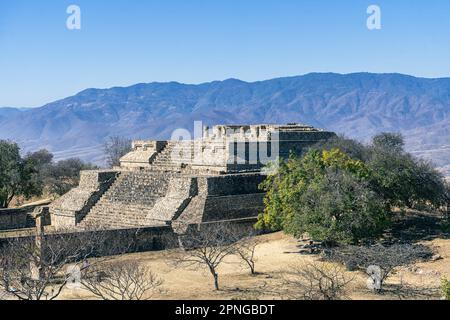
x,y
168,183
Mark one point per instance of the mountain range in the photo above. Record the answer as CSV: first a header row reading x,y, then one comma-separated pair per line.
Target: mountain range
x,y
358,105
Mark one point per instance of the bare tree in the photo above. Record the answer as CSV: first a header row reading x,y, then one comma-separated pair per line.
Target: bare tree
x,y
316,281
115,148
36,267
122,280
206,248
3,295
245,249
37,271
379,261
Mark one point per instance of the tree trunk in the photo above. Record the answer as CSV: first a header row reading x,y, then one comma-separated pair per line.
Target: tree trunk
x,y
216,281
9,200
216,277
252,268
251,265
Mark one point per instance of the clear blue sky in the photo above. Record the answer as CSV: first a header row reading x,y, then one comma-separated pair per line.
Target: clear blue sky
x,y
123,42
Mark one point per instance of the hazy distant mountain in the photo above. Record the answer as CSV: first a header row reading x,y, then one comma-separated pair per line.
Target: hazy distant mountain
x,y
6,112
358,105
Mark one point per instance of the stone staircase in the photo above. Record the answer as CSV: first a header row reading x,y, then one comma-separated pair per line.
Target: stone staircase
x,y
174,155
129,202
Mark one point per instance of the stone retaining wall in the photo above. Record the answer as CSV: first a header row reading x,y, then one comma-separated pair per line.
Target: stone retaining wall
x,y
19,218
13,219
150,238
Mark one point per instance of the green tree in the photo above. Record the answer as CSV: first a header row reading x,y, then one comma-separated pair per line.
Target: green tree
x,y
352,148
41,158
61,177
18,177
325,194
57,178
401,179
340,208
389,141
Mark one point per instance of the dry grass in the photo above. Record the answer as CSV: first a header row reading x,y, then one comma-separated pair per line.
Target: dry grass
x,y
276,255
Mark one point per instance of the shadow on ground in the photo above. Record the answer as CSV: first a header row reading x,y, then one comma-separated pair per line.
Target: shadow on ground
x,y
414,226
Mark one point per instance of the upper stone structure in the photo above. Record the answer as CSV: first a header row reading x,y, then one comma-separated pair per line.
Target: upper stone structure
x,y
176,183
225,148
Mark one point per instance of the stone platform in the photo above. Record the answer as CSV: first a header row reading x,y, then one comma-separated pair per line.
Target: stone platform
x,y
168,183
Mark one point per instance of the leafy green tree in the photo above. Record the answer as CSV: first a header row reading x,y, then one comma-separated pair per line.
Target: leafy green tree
x,y
18,177
61,177
325,194
339,208
352,148
338,198
57,178
401,179
41,161
41,158
389,141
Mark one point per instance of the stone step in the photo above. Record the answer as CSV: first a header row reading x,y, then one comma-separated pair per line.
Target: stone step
x,y
130,200
136,188
120,215
165,158
124,208
117,217
108,222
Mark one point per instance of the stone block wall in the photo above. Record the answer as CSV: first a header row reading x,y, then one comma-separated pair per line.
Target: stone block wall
x,y
71,208
21,218
234,184
13,219
233,207
146,239
124,240
226,197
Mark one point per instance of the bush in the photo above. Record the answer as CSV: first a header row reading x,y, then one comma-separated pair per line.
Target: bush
x,y
339,209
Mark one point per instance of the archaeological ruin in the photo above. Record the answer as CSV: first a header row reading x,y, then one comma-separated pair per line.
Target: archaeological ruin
x,y
174,184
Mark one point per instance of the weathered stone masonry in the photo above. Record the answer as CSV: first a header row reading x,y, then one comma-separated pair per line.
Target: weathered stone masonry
x,y
22,218
174,184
